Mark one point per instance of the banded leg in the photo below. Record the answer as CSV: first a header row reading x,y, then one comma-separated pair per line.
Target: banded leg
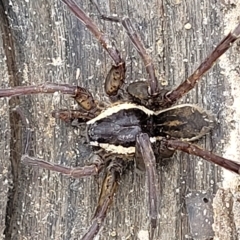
x,y
197,151
172,96
109,188
116,75
78,172
145,157
83,97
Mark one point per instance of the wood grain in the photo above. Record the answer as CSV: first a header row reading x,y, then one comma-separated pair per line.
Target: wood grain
x,y
48,44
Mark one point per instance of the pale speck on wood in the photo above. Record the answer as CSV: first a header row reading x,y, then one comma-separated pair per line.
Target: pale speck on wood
x,y
187,26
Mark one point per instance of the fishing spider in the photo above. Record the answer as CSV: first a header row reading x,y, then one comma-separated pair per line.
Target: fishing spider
x,y
128,129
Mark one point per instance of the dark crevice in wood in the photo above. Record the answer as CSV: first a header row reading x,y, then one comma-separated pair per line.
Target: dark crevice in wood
x,y
15,141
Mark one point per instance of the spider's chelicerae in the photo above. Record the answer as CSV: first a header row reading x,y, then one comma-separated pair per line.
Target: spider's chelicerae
x,y
132,127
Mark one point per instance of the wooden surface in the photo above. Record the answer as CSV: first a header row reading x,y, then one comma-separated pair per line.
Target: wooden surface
x,y
43,42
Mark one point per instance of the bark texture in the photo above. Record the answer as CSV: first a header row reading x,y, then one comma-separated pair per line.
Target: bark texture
x,y
41,41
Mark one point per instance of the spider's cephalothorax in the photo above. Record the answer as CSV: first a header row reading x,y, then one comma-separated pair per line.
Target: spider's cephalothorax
x,y
131,128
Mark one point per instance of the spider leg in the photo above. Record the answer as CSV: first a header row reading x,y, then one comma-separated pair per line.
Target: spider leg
x,y
109,188
70,115
83,97
144,155
197,151
136,40
172,96
78,172
89,170
108,18
116,75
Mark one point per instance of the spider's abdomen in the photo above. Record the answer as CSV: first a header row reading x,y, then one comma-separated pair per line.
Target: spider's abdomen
x,y
186,121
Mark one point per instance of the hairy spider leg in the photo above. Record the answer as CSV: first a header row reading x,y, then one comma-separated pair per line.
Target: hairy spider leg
x,y
105,17
153,89
83,97
108,190
89,170
79,172
109,185
67,115
145,154
197,151
172,96
116,75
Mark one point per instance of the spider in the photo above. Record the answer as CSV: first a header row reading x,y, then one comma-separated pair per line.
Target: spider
x,y
149,119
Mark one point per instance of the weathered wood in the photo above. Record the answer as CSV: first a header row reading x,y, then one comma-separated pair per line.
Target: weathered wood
x,y
51,45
